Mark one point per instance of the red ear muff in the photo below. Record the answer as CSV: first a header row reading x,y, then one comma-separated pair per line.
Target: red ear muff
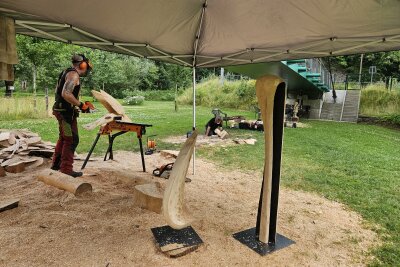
x,y
83,65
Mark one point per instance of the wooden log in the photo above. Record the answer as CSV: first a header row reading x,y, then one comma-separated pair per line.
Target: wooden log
x,y
149,196
174,209
64,182
270,91
8,204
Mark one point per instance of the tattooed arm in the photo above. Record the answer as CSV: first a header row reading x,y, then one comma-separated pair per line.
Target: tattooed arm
x,y
71,80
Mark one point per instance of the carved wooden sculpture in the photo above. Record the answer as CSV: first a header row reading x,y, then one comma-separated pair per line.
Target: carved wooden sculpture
x,y
111,104
271,94
174,209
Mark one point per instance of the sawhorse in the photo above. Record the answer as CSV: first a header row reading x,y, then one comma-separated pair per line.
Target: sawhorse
x,y
122,127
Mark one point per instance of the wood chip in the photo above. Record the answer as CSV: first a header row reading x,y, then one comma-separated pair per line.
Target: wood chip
x,y
4,136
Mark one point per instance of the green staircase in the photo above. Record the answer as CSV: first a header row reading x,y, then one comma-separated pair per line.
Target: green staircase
x,y
299,66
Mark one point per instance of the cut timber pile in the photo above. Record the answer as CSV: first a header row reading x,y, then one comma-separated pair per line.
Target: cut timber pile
x,y
22,150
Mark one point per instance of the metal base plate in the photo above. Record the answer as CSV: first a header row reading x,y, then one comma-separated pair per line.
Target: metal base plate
x,y
248,238
169,239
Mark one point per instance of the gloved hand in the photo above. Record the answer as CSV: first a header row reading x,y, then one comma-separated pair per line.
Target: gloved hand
x,y
83,107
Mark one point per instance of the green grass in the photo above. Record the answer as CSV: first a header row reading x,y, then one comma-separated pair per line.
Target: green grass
x,y
355,164
377,101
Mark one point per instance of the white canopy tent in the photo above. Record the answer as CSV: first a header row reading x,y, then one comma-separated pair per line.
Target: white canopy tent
x,y
201,33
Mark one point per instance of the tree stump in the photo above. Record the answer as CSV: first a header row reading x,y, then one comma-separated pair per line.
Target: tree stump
x,y
149,196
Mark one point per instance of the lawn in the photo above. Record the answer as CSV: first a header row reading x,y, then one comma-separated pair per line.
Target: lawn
x,y
355,164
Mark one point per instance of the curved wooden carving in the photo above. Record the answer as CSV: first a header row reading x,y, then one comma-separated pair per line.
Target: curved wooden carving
x,y
173,208
271,95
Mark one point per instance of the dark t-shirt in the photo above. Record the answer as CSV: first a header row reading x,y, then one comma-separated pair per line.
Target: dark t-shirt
x,y
213,125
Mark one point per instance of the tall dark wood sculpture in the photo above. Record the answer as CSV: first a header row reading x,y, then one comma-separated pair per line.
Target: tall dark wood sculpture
x,y
271,95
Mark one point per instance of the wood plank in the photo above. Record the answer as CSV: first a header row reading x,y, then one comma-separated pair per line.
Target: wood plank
x,y
8,204
99,122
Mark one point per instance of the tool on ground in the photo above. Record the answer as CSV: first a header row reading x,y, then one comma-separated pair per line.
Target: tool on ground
x,y
121,127
166,167
151,145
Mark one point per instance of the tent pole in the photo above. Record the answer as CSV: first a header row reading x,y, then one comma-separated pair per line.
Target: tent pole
x,y
194,114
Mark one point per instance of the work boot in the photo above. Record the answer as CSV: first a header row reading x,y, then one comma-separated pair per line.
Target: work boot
x,y
55,167
75,174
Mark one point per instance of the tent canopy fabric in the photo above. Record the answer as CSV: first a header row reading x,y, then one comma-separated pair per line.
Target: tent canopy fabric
x,y
216,32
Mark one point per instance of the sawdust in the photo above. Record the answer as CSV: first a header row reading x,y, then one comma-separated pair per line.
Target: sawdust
x,y
54,228
213,140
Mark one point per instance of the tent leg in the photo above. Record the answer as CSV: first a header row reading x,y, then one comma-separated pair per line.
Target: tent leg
x,y
271,95
194,117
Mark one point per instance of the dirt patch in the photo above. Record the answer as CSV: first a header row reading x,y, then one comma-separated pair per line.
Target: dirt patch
x,y
105,228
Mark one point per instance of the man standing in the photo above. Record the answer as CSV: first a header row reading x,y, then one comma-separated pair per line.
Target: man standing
x,y
66,112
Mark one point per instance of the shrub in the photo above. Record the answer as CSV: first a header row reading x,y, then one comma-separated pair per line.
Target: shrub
x,y
232,94
152,95
134,100
376,100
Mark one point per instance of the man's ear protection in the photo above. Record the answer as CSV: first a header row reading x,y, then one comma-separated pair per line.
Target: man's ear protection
x,y
84,63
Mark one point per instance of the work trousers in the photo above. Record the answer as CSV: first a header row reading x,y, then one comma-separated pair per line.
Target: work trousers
x,y
68,140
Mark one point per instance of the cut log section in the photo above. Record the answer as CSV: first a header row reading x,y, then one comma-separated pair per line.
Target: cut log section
x,y
270,91
149,196
111,104
174,209
64,182
9,204
221,134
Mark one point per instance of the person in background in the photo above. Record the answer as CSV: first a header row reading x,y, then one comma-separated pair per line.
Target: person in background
x,y
213,124
66,110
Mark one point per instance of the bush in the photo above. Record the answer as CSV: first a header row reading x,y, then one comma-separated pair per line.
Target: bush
x,y
134,100
232,94
152,95
376,100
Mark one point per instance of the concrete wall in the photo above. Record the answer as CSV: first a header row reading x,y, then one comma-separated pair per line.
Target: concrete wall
x,y
340,96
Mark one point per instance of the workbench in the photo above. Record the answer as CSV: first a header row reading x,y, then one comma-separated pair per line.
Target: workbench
x,y
120,127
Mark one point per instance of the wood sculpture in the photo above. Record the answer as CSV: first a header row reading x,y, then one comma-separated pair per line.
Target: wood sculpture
x,y
111,104
271,94
173,208
64,182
